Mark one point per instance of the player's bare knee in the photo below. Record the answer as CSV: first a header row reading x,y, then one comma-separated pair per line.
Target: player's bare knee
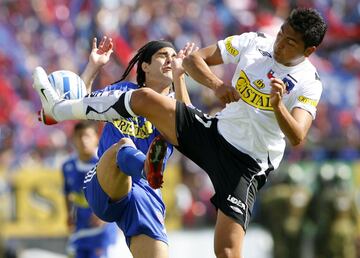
x,y
142,98
124,141
110,153
227,252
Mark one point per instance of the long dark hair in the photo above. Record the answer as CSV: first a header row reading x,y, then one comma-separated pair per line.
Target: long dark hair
x,y
144,54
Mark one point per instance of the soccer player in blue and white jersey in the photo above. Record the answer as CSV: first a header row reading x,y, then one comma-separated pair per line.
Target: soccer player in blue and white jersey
x,y
90,236
274,94
123,187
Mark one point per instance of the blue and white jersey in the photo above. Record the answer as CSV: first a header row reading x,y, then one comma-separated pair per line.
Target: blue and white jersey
x,y
138,129
85,235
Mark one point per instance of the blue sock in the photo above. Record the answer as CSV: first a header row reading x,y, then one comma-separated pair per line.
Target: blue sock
x,y
131,161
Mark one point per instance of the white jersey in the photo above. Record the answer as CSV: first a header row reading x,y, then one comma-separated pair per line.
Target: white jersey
x,y
250,123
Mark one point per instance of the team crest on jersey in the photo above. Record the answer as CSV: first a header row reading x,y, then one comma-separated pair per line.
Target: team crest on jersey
x,y
250,95
230,48
259,84
134,129
289,84
264,53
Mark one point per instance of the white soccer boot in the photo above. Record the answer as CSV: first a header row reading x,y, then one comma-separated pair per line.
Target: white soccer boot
x,y
48,96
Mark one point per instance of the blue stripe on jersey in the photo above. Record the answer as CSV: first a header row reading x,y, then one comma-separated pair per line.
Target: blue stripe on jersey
x,y
66,85
79,88
52,80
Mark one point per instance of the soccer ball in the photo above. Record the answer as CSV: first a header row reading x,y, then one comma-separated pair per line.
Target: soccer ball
x,y
68,85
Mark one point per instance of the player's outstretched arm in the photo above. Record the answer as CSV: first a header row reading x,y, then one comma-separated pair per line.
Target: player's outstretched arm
x,y
181,92
99,56
197,66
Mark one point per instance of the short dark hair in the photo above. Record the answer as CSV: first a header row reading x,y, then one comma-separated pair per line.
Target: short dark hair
x,y
84,125
310,24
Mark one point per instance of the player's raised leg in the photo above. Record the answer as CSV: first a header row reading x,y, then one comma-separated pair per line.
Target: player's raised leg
x,y
101,106
46,92
109,106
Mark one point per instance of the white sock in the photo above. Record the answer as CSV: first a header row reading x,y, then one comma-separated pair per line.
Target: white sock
x,y
101,106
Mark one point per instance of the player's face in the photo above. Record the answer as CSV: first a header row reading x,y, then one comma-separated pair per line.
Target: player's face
x,y
159,69
289,48
86,141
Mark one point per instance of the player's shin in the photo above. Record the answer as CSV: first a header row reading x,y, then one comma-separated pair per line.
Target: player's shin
x,y
101,106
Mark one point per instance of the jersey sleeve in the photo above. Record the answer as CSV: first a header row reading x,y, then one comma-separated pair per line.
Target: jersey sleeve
x,y
308,97
232,47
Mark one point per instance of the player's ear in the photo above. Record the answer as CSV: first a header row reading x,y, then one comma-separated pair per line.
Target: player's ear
x,y
145,67
309,51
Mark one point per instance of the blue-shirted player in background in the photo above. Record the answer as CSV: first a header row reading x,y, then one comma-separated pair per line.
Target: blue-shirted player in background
x,y
90,237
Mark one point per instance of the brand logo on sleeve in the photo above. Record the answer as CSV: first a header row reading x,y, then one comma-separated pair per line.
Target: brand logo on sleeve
x,y
264,53
230,48
308,101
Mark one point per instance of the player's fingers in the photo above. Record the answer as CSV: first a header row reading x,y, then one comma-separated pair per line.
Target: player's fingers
x,y
190,48
277,82
94,43
102,42
226,99
187,49
107,44
236,95
180,54
184,47
111,46
109,52
232,97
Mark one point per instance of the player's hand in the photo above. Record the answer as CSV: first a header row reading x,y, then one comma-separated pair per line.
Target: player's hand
x,y
227,94
278,89
100,55
176,62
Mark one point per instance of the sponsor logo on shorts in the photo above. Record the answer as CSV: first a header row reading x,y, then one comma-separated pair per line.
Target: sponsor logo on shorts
x,y
240,206
236,209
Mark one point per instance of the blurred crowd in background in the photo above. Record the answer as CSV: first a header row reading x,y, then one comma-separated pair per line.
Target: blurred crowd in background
x,y
57,35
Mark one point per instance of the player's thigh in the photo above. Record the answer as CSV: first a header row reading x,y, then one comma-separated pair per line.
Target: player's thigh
x,y
114,183
143,246
158,109
229,237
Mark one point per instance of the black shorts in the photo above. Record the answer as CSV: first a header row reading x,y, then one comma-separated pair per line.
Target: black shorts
x,y
232,173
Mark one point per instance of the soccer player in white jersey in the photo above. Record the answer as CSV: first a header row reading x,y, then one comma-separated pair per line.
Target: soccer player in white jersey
x,y
274,93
